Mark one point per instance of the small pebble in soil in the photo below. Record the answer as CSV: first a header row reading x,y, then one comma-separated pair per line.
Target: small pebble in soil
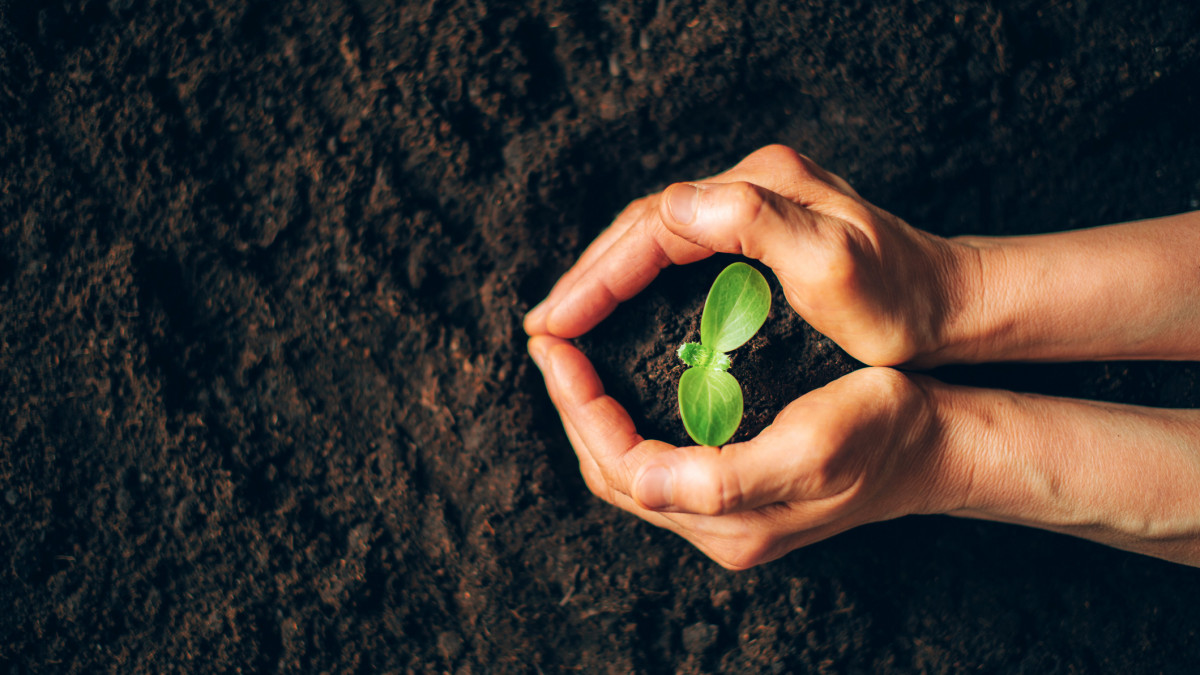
x,y
10,496
698,637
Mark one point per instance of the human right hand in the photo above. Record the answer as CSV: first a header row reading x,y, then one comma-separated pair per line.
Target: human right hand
x,y
891,294
887,293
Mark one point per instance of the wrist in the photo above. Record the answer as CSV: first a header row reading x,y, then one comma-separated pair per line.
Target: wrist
x,y
957,326
1115,292
985,303
949,461
1115,474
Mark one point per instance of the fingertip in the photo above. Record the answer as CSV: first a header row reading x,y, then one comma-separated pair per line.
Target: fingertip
x,y
717,214
553,320
680,202
535,320
538,346
576,313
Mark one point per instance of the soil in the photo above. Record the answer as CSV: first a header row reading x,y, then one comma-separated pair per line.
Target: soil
x,y
266,405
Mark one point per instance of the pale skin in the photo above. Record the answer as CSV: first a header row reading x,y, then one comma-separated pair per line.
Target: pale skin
x,y
880,443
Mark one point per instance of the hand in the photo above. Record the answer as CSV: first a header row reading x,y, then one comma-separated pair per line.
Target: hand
x,y
861,449
879,444
885,292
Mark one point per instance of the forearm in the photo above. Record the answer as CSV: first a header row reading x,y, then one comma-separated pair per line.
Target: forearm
x,y
1125,476
1129,291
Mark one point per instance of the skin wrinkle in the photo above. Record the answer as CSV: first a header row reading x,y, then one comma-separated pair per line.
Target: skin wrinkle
x,y
751,207
728,500
749,546
987,331
955,319
788,227
1116,522
1120,475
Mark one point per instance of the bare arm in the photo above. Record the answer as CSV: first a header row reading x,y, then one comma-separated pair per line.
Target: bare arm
x,y
880,444
891,294
1121,475
1129,291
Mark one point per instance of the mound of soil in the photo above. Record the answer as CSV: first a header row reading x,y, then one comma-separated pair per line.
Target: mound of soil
x,y
266,404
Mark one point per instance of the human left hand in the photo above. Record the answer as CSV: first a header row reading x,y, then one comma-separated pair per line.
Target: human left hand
x,y
863,448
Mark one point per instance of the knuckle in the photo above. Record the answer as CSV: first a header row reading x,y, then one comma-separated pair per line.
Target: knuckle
x,y
745,552
734,565
784,159
853,211
747,207
889,380
842,184
818,472
596,484
809,177
641,204
838,264
636,210
748,198
721,496
893,385
821,477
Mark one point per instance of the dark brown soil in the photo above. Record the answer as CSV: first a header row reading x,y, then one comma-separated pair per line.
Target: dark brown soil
x,y
265,402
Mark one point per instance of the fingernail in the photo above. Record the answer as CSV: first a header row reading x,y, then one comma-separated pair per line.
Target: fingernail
x,y
682,202
654,488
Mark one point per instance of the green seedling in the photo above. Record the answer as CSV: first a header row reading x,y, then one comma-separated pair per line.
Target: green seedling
x,y
710,399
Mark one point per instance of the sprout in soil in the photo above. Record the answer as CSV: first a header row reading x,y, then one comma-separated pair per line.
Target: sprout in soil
x,y
710,399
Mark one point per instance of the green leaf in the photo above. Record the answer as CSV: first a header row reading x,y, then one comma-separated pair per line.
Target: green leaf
x,y
736,308
710,403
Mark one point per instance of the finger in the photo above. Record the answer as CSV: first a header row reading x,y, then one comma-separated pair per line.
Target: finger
x,y
607,274
592,445
535,320
603,427
744,219
596,482
719,481
804,458
625,268
736,541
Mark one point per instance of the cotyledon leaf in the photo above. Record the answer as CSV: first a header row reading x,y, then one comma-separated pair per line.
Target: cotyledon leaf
x,y
736,308
710,403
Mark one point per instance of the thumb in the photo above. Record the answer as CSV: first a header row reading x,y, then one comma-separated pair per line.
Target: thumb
x,y
711,481
741,218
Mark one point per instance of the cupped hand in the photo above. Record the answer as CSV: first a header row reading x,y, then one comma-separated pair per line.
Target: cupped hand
x,y
886,292
862,449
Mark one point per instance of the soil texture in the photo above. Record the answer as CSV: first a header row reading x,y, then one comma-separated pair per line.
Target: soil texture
x,y
266,405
